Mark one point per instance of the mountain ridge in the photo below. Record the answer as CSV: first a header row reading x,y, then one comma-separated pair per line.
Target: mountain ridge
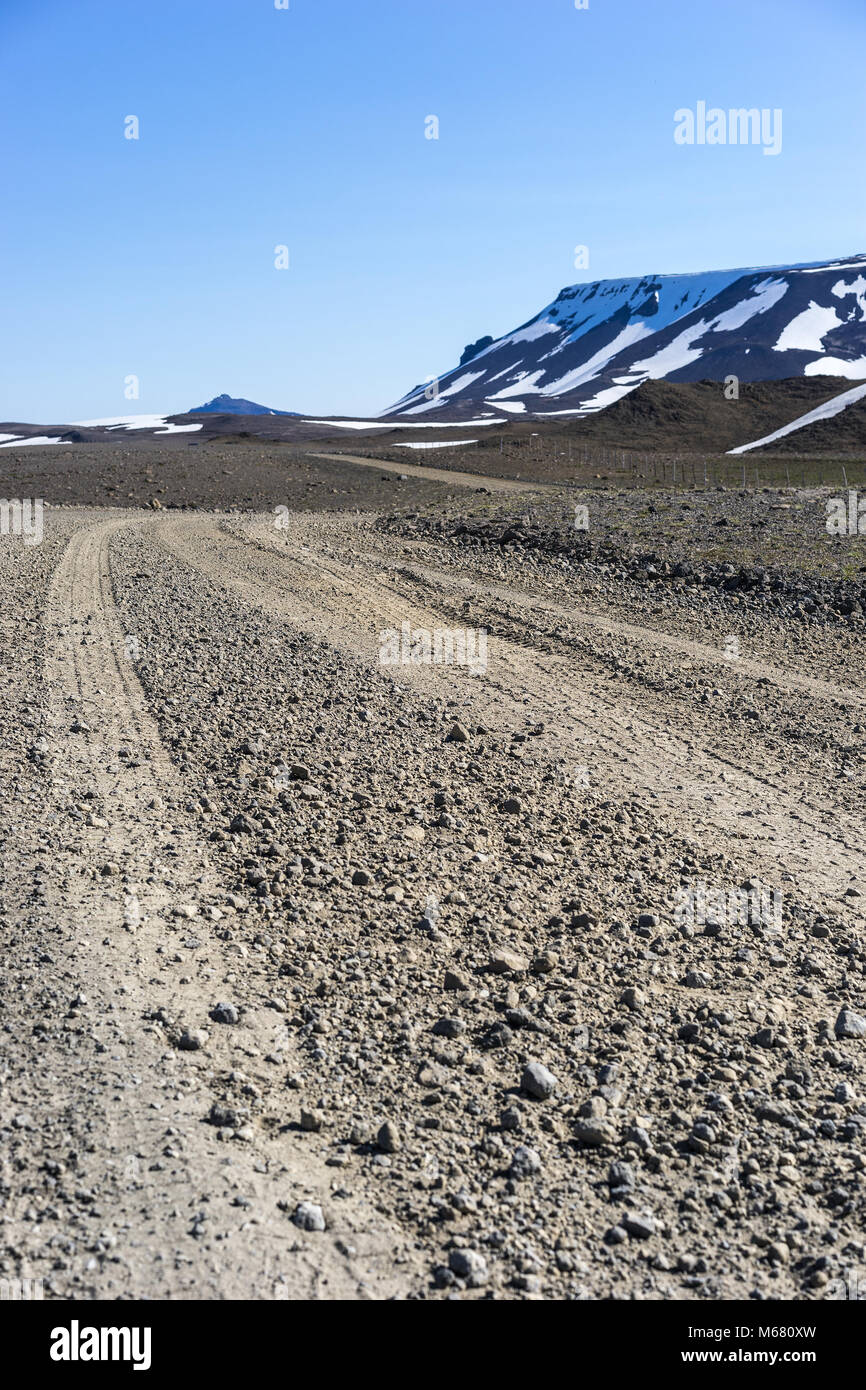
x,y
596,341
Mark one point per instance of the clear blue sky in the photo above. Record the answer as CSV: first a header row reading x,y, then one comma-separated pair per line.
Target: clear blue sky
x,y
305,127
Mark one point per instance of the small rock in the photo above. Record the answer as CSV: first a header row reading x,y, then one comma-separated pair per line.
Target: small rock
x,y
544,963
224,1013
308,1217
620,1175
224,1116
697,979
468,1265
850,1025
498,1035
595,1133
504,960
449,1027
633,999
537,1081
639,1227
388,1138
525,1163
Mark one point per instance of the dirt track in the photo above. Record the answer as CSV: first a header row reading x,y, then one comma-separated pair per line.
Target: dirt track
x,y
137,918
440,475
336,581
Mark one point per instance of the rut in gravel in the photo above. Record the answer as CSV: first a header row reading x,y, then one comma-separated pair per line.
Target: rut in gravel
x,y
327,577
131,888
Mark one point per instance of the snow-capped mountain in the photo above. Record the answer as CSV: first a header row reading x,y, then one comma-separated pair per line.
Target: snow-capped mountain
x,y
233,405
596,342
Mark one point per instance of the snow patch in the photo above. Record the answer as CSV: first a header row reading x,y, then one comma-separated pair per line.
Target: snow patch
x,y
834,406
806,331
34,439
609,396
857,288
836,366
136,422
633,333
534,330
821,266
433,403
436,444
763,297
408,425
678,353
461,383
524,382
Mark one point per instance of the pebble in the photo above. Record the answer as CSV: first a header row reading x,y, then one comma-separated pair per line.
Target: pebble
x,y
224,1013
388,1138
525,1162
850,1025
308,1217
639,1227
449,1027
468,1265
595,1133
505,960
537,1081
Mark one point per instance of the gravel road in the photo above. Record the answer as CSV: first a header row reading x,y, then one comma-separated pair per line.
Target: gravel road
x,y
328,976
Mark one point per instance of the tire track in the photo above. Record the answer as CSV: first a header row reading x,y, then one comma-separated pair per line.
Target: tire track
x,y
752,814
132,889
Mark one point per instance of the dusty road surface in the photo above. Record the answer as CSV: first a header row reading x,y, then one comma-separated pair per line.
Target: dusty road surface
x,y
440,475
326,976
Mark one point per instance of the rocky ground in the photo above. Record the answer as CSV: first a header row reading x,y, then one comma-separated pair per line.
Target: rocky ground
x,y
325,978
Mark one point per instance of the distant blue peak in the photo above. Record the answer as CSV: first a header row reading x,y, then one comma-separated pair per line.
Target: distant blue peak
x,y
232,405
